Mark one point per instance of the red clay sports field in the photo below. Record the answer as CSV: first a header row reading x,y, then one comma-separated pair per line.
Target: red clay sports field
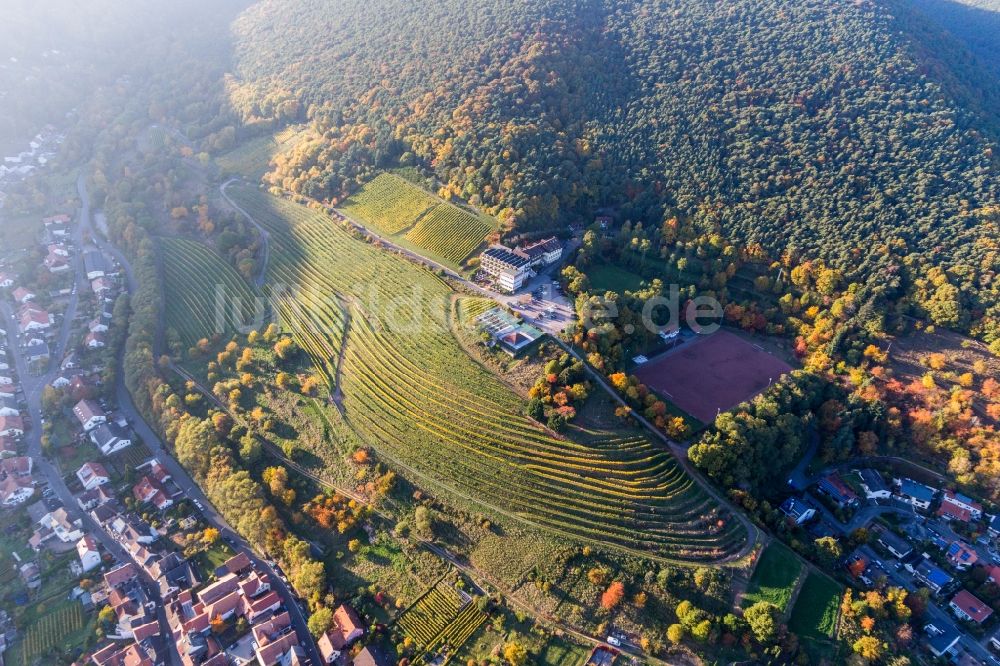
x,y
711,373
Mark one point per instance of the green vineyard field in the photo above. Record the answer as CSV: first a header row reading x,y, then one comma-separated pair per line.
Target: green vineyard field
x,y
411,392
441,621
396,207
206,294
50,631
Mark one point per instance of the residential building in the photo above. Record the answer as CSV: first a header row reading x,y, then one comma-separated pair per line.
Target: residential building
x,y
8,407
943,642
93,264
931,576
94,341
15,490
121,575
110,437
151,491
8,447
509,269
92,475
33,319
956,506
97,325
346,629
91,499
916,494
274,638
373,655
89,414
101,287
967,607
90,557
37,351
19,466
11,426
56,263
799,511
895,544
874,485
961,555
834,487
22,295
62,527
6,280
993,525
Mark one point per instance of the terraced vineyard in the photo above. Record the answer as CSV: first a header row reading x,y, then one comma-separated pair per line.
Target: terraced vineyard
x,y
410,391
394,206
449,232
199,282
441,621
251,158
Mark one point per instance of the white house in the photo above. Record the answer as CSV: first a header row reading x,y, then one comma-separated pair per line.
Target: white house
x,y
89,414
799,511
58,521
97,326
14,490
8,407
874,485
92,475
6,280
94,341
90,557
110,437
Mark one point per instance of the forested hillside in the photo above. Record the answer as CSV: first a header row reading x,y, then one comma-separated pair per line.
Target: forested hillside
x,y
975,22
821,125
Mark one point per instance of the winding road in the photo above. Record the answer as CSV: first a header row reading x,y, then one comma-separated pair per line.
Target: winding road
x,y
179,474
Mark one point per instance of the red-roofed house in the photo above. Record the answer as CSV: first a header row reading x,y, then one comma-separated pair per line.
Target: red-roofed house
x,y
114,655
121,575
967,607
56,263
94,341
11,426
22,295
218,589
16,466
92,475
89,414
90,557
14,490
226,607
346,629
956,506
34,319
152,491
254,609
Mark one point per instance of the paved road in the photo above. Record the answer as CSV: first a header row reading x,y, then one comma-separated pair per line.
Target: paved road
x,y
180,475
33,386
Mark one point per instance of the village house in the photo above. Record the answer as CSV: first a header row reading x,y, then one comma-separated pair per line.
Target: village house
x,y
151,491
89,414
967,607
956,506
101,287
92,475
346,629
8,446
56,523
895,544
916,494
834,487
94,341
6,280
961,555
931,576
798,511
110,437
11,426
93,264
874,485
97,325
86,549
91,499
15,490
33,319
22,295
56,263
8,407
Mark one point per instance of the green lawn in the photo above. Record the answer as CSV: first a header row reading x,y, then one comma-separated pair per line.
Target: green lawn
x,y
606,277
774,578
560,652
208,560
816,609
